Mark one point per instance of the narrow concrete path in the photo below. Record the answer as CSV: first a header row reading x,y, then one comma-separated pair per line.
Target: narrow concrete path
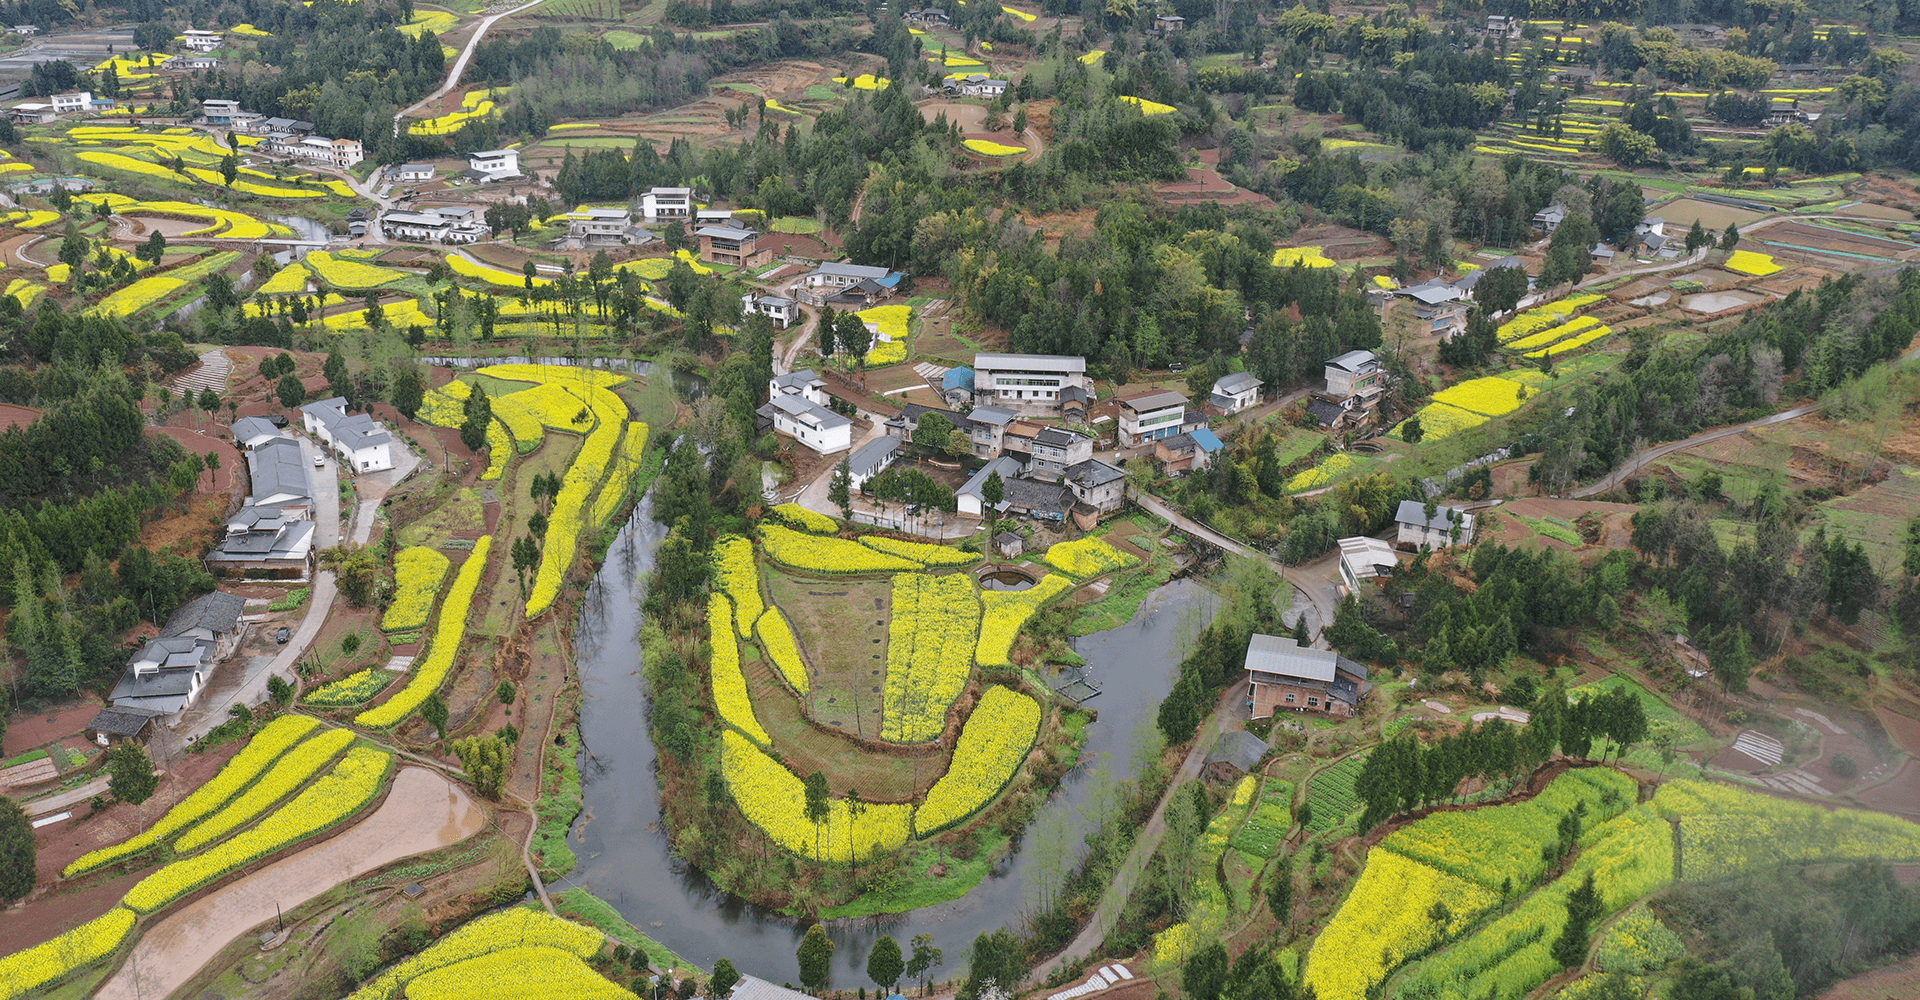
x,y
1107,913
423,812
1640,458
460,64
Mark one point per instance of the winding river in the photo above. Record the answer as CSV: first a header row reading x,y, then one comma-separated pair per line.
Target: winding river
x,y
623,849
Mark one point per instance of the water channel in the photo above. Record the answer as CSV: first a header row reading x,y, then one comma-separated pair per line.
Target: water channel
x,y
623,850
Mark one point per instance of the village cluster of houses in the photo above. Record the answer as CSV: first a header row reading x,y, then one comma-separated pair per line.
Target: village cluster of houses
x,y
1049,472
1650,238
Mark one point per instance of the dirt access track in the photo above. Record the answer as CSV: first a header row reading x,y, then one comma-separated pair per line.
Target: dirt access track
x,y
423,812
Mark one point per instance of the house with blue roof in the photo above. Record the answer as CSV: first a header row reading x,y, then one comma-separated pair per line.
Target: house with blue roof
x,y
1187,451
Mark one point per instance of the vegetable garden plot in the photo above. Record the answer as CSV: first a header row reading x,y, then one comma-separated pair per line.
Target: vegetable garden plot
x,y
1330,794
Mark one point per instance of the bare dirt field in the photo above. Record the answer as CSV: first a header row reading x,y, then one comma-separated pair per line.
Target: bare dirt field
x,y
423,811
1615,520
1339,242
1870,211
1899,980
1806,240
1898,794
17,416
1682,214
222,481
143,224
1903,730
24,732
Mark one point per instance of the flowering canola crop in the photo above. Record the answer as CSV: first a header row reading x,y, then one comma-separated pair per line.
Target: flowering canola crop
x,y
1322,474
1749,262
626,465
342,273
987,147
740,578
500,449
351,689
555,404
776,633
351,785
417,574
1087,557
599,377
1384,920
775,800
1441,420
289,280
270,742
1302,256
828,555
892,320
491,275
936,556
1571,343
992,745
138,296
805,520
289,773
930,642
1006,611
1491,397
446,643
730,695
533,971
495,932
1147,107
570,507
25,971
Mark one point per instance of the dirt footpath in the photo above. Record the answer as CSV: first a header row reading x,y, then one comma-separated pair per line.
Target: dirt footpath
x,y
423,812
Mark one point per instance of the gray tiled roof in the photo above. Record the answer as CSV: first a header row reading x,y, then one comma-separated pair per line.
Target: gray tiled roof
x,y
802,407
1037,496
797,381
1413,512
1006,465
1154,401
871,456
249,428
991,415
1236,382
122,721
279,472
1092,473
1282,655
1242,749
217,612
751,988
1354,361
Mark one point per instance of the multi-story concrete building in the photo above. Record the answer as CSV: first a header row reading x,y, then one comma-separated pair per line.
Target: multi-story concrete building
x,y
1034,384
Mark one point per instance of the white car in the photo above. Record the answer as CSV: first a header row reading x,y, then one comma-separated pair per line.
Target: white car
x,y
319,461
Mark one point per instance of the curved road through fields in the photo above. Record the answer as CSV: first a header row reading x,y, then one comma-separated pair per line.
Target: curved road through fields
x,y
460,64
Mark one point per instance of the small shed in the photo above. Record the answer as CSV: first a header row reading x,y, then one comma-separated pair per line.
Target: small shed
x,y
112,726
1234,757
1009,544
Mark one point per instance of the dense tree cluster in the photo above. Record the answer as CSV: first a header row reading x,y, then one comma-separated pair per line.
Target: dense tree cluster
x,y
1791,934
342,66
1220,652
1830,335
1404,774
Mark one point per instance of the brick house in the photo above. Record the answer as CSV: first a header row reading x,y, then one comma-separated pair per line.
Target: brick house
x,y
1282,675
